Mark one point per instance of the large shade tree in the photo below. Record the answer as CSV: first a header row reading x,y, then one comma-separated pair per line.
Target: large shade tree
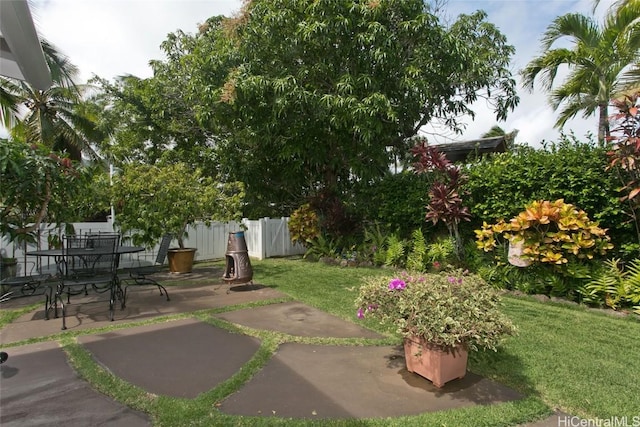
x,y
135,132
299,99
600,60
309,96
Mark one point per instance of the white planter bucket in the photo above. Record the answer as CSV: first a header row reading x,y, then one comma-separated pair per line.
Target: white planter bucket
x,y
514,256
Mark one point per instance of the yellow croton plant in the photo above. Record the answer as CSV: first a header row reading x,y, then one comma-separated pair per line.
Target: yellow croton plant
x,y
550,232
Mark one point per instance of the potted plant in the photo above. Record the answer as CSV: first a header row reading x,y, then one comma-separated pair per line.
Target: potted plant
x,y
8,267
551,233
441,316
153,200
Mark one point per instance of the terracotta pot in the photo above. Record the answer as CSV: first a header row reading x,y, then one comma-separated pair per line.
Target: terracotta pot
x,y
181,260
433,362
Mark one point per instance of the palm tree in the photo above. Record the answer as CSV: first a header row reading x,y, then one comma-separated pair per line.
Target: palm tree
x,y
600,62
48,117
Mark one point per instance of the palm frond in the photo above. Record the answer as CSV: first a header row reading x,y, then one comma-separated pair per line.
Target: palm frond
x,y
63,72
9,103
570,110
581,28
629,79
546,66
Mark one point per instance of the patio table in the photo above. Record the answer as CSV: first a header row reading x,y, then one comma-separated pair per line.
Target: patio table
x,y
57,253
67,279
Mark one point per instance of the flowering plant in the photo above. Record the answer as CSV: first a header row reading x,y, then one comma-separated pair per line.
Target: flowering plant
x,y
447,309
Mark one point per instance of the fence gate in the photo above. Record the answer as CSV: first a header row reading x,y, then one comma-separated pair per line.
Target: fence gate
x,y
274,239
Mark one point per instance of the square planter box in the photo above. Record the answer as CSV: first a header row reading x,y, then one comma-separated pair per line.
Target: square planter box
x,y
434,363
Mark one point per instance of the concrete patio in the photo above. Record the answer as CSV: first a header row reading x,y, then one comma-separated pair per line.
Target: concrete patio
x,y
185,356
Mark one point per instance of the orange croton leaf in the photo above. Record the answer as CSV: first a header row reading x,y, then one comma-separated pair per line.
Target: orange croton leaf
x,y
633,193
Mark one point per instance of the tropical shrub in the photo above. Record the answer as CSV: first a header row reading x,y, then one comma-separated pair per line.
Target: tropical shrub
x,y
37,185
499,185
445,196
624,156
323,247
335,216
373,247
440,252
395,202
304,225
395,251
416,259
557,238
551,232
564,280
414,254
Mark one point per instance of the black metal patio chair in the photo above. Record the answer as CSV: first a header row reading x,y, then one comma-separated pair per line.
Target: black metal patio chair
x,y
32,283
88,262
140,275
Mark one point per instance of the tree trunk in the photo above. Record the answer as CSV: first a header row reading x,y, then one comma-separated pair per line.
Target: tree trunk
x,y
603,123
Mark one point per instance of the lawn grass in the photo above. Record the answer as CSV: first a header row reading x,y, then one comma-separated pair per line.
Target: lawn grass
x,y
564,358
587,364
581,362
8,316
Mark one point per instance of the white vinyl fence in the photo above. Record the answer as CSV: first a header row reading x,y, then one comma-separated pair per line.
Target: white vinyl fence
x,y
266,238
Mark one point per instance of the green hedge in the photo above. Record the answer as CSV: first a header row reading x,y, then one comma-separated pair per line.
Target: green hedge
x,y
501,185
396,202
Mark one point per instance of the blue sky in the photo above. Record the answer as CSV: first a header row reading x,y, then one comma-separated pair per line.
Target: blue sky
x,y
114,37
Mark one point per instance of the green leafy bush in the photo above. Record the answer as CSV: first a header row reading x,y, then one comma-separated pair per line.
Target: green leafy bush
x,y
395,254
499,185
544,279
152,200
37,185
440,252
418,253
448,309
323,247
396,202
374,244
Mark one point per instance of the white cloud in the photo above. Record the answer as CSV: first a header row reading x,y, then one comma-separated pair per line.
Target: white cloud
x,y
115,37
